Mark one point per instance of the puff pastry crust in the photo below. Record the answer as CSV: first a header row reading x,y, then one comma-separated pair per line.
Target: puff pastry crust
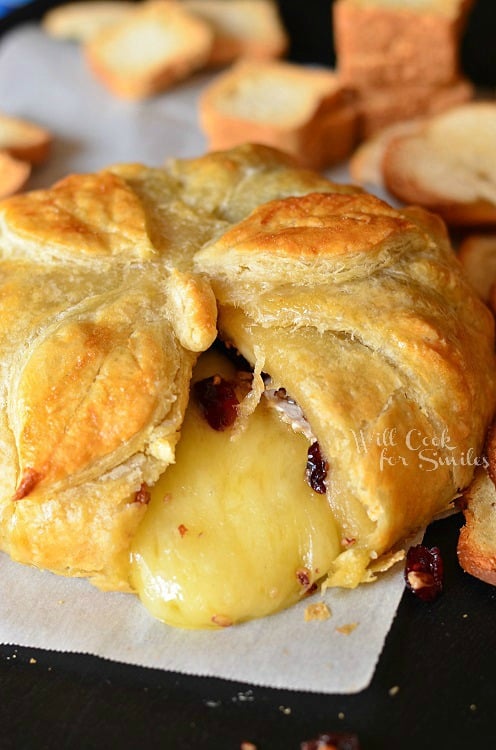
x,y
361,313
111,284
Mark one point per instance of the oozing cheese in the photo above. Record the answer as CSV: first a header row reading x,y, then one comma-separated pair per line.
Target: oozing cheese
x,y
233,531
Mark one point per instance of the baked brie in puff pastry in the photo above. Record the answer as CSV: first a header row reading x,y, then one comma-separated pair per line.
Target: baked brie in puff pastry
x,y
357,414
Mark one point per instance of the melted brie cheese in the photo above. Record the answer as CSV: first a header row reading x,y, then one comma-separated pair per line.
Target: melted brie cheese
x,y
233,531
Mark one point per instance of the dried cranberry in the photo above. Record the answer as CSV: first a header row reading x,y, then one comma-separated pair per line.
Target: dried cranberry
x,y
316,471
332,741
142,496
218,401
424,572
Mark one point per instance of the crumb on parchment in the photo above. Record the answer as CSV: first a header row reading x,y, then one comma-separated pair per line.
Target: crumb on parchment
x,y
317,611
348,628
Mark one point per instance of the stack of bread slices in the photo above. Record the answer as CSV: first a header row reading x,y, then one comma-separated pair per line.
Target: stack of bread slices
x,y
402,59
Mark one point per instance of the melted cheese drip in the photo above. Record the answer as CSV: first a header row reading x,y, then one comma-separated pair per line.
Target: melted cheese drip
x,y
233,531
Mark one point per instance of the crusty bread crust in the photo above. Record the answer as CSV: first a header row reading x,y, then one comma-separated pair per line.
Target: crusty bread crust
x,y
153,47
242,28
14,174
303,111
84,19
449,165
365,164
380,107
23,139
477,254
382,43
476,544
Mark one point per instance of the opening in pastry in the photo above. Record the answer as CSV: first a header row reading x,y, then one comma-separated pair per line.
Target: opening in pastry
x,y
240,526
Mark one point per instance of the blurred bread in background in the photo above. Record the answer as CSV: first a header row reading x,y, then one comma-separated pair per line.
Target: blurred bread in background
x,y
477,254
22,145
365,163
24,139
401,59
150,49
14,174
81,20
391,42
304,111
449,165
380,107
241,28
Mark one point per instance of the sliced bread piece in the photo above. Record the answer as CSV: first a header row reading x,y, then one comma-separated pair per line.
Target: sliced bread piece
x,y
153,47
477,254
242,28
449,166
303,111
379,107
23,139
82,20
391,42
14,174
365,164
477,541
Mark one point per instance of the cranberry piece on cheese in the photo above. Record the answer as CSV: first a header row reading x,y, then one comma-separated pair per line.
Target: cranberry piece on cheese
x,y
218,401
316,471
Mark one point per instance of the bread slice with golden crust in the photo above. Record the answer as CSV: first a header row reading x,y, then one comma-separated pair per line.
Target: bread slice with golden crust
x,y
449,165
82,20
477,541
378,107
242,28
14,173
153,47
392,43
304,111
24,139
477,254
365,164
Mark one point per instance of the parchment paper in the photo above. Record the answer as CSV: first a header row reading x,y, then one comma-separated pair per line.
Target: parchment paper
x,y
48,82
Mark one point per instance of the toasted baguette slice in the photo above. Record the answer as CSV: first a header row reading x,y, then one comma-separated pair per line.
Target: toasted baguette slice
x,y
477,254
477,541
82,20
449,166
14,174
365,164
24,140
153,47
380,107
242,28
303,111
390,42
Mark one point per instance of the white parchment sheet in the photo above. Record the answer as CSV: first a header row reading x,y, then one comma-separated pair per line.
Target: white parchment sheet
x,y
48,81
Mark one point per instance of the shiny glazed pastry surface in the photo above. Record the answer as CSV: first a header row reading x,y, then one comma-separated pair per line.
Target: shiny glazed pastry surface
x,y
110,288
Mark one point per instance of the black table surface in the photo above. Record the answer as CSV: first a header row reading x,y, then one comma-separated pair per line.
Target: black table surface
x,y
434,688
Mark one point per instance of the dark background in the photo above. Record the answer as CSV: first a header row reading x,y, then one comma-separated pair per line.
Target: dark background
x,y
440,658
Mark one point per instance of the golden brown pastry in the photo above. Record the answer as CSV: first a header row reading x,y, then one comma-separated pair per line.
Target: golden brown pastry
x,y
98,337
363,335
360,312
101,323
